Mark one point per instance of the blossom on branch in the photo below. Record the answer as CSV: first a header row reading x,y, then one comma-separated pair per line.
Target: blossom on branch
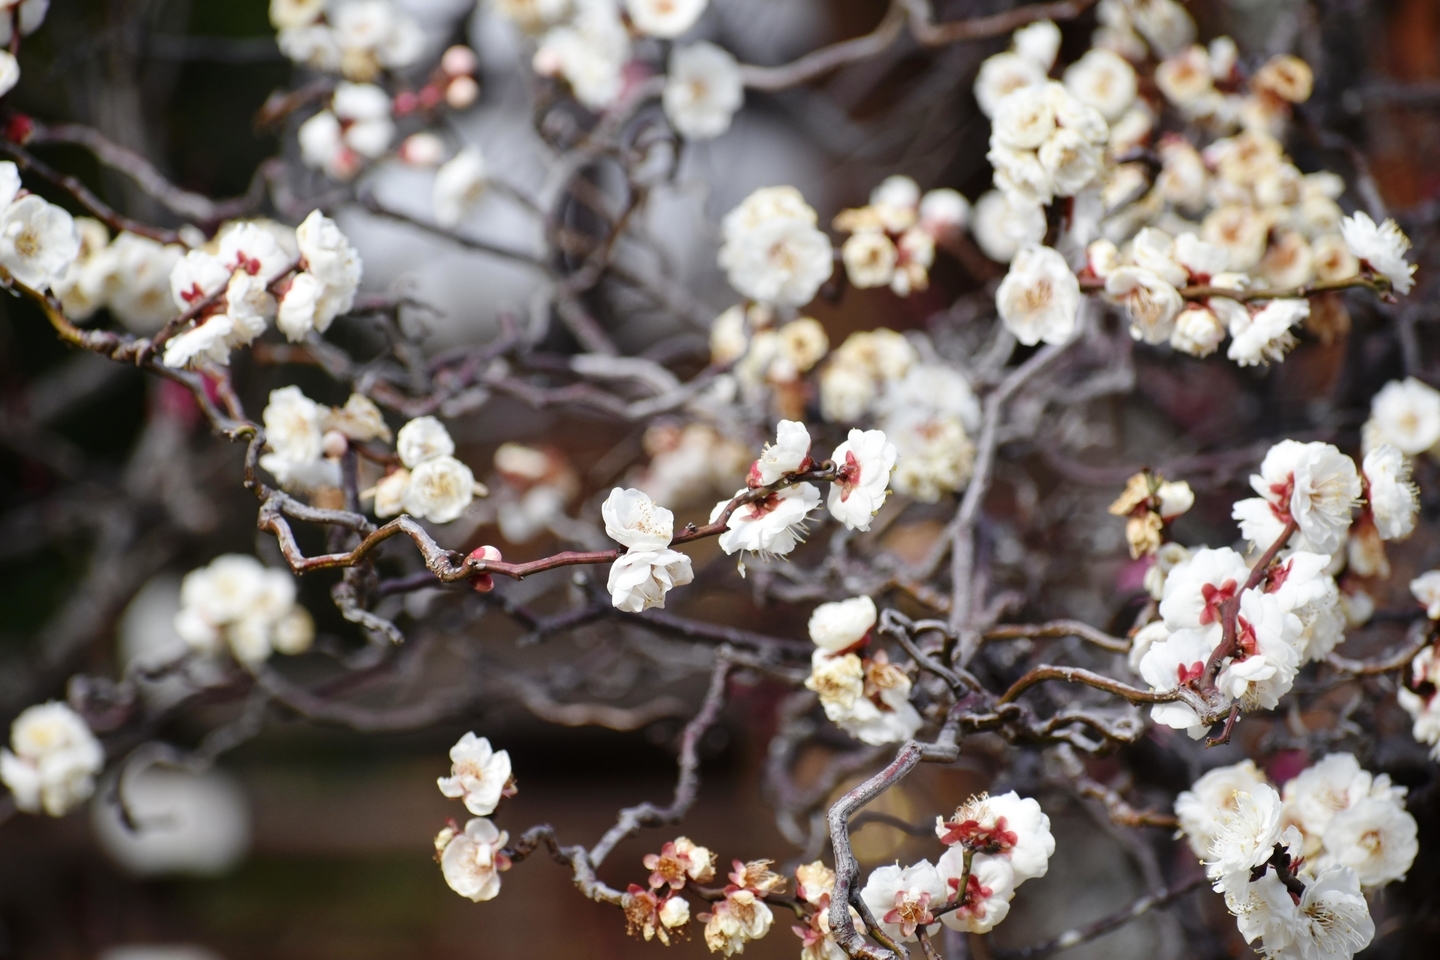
x,y
472,861
479,774
52,761
703,90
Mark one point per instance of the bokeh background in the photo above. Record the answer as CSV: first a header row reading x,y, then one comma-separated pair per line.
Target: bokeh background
x,y
315,843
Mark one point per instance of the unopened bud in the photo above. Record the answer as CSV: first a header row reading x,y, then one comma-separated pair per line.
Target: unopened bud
x,y
461,92
422,149
334,444
483,582
458,60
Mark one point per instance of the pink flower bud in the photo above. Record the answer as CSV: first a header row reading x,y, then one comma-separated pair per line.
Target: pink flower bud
x,y
459,60
405,102
483,582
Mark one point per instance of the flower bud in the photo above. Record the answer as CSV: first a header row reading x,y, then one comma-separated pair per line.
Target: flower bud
x,y
461,92
459,60
334,444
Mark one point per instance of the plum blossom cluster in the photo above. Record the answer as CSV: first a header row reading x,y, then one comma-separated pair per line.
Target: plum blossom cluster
x,y
1247,629
892,239
1295,864
472,859
771,249
648,569
430,482
232,287
766,355
53,759
238,604
742,915
1149,503
588,45
356,38
771,517
129,276
926,408
306,439
995,843
861,691
1218,208
658,910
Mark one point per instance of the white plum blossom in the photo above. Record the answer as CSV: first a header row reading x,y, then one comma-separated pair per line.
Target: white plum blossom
x,y
589,52
1196,586
1382,246
239,602
1010,827
1312,483
1211,798
869,699
902,899
870,258
1002,75
471,861
989,889
198,275
943,212
1375,837
1150,301
1039,299
641,577
294,431
1426,589
1246,835
771,525
421,439
790,453
1405,414
440,489
772,251
1336,783
703,90
207,341
1003,225
38,242
327,255
1268,637
664,18
1103,80
478,774
1265,336
459,184
741,917
1330,920
1393,498
1178,659
1038,42
52,761
842,624
863,464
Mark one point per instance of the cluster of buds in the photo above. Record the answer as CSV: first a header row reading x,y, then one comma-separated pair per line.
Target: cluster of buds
x,y
453,83
1150,503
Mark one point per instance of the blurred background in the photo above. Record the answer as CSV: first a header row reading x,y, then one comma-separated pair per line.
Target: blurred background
x,y
313,842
